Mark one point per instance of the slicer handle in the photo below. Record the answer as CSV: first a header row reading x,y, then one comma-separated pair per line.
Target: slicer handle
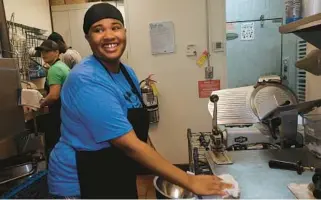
x,y
214,98
277,164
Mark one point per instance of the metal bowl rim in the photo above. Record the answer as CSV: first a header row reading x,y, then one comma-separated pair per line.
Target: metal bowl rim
x,y
160,191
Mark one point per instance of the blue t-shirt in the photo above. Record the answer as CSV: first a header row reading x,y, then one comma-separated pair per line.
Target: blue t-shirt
x,y
94,111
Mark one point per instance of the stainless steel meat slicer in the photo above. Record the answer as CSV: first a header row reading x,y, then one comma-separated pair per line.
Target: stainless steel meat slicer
x,y
264,115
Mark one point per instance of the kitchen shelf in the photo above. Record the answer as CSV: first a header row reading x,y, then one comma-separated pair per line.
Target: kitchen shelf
x,y
308,28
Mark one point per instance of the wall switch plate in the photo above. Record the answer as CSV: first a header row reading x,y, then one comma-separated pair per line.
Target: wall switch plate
x,y
191,50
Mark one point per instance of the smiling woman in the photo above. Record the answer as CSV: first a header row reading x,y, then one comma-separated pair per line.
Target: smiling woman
x,y
107,39
105,129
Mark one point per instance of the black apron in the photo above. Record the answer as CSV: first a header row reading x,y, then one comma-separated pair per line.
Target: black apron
x,y
109,173
51,122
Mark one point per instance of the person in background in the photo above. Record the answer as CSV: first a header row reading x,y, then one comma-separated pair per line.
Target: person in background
x,y
69,56
56,76
105,124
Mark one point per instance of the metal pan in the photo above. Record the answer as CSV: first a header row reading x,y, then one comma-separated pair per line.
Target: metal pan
x,y
16,172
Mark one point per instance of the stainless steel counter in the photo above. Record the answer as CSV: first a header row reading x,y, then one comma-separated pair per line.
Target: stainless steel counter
x,y
258,181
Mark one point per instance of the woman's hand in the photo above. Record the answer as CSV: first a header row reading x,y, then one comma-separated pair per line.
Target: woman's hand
x,y
207,185
42,103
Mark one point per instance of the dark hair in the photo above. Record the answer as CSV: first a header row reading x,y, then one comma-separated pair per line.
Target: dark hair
x,y
56,37
62,47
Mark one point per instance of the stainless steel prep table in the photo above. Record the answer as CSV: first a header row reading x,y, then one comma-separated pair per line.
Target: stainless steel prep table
x,y
257,181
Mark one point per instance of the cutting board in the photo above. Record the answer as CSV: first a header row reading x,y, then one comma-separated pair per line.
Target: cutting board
x,y
301,191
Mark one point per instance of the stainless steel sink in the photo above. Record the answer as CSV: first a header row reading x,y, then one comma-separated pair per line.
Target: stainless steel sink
x,y
167,190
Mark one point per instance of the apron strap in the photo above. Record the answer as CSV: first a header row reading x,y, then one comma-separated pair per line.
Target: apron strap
x,y
131,83
128,78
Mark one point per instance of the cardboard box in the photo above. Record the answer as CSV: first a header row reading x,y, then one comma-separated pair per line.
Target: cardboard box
x,y
57,2
75,1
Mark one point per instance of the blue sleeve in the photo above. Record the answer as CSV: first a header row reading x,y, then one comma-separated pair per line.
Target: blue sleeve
x,y
101,112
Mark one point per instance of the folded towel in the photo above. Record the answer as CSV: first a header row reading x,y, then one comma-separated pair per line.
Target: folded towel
x,y
30,98
233,192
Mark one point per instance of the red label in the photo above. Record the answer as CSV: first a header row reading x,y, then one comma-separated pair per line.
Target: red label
x,y
205,88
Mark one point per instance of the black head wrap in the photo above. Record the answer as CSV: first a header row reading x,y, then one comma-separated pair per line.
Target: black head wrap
x,y
101,11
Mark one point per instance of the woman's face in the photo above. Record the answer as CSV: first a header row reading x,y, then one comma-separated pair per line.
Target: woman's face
x,y
49,56
107,39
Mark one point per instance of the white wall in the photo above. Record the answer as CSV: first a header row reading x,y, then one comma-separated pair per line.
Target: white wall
x,y
178,75
34,13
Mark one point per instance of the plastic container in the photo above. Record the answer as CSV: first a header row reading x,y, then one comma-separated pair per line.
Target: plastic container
x,y
36,73
293,10
312,126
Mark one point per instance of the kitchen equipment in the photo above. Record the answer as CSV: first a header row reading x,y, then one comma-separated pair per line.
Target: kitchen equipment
x,y
299,168
268,95
33,187
286,124
17,172
240,111
20,166
234,106
217,135
11,115
312,126
217,152
199,145
167,190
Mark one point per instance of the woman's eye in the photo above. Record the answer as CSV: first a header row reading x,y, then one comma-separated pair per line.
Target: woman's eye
x,y
98,30
116,28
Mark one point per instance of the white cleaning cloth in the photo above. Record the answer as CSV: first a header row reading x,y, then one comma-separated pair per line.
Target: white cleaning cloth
x,y
233,192
30,98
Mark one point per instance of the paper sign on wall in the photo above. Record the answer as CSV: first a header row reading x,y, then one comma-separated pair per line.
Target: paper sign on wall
x,y
205,88
248,31
162,37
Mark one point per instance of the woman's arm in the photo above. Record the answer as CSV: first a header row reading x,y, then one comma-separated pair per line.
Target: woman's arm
x,y
52,97
144,154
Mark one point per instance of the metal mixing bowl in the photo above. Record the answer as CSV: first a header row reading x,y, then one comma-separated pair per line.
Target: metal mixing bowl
x,y
167,190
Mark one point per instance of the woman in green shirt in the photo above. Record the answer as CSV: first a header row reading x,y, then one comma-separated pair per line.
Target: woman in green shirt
x,y
56,77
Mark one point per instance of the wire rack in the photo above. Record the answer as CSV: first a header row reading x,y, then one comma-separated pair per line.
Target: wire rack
x,y
23,40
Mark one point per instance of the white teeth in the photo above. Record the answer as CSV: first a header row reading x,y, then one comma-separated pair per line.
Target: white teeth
x,y
111,45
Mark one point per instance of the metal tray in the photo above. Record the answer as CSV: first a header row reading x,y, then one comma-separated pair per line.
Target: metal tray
x,y
17,172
